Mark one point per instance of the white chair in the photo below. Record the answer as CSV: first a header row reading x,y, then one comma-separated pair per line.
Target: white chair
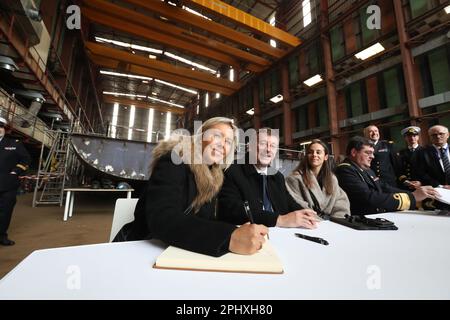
x,y
123,213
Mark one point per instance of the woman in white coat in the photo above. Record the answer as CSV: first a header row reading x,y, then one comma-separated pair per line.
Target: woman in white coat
x,y
313,185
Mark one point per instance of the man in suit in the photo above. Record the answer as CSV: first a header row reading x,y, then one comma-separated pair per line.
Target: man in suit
x,y
434,164
408,158
384,161
366,192
263,187
14,159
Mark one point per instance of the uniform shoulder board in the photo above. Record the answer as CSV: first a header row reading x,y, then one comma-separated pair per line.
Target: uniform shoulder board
x,y
390,142
343,164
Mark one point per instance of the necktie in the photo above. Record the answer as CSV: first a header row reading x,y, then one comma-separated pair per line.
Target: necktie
x,y
446,163
266,202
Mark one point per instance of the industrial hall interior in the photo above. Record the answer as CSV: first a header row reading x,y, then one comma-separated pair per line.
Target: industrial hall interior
x,y
93,92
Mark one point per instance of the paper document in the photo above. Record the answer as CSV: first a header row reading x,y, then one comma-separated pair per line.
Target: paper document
x,y
264,261
445,195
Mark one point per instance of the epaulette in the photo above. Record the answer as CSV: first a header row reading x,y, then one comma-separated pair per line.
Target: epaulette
x,y
391,142
344,164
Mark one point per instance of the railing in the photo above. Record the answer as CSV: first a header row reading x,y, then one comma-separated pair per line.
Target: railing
x,y
17,114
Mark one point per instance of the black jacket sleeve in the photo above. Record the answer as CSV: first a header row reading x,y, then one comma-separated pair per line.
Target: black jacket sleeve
x,y
166,218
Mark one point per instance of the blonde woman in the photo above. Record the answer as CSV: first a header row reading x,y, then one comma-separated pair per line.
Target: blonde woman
x,y
313,185
179,203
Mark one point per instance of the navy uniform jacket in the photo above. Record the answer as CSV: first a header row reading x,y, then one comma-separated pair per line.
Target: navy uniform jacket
x,y
408,164
13,158
367,194
384,162
244,183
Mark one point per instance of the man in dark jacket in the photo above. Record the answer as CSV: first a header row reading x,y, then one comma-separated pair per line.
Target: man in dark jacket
x,y
384,162
263,187
367,194
434,164
14,160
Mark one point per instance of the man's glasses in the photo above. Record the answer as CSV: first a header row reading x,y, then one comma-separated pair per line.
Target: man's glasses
x,y
438,134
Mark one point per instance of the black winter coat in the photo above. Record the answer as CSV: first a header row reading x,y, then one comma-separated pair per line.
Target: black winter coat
x,y
163,212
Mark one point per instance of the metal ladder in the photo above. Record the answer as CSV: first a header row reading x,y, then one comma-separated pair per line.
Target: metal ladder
x,y
51,176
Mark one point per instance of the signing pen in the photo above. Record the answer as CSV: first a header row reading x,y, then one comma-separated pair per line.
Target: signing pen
x,y
314,239
249,214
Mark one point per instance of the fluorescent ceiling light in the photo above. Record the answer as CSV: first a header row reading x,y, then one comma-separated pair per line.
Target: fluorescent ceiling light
x,y
370,51
189,62
277,98
126,75
447,9
168,120
175,86
195,12
128,45
305,143
117,94
150,125
166,102
250,111
313,80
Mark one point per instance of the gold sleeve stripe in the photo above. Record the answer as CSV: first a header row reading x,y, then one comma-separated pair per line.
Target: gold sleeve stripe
x,y
21,166
404,202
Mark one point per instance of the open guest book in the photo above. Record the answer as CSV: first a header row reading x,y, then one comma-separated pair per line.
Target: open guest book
x,y
264,261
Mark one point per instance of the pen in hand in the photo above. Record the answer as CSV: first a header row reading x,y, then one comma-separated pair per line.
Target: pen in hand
x,y
314,239
249,214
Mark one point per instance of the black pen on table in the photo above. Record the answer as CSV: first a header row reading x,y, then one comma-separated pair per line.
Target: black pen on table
x,y
249,214
314,239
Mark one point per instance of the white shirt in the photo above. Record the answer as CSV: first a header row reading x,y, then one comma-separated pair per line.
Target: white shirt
x,y
439,154
262,170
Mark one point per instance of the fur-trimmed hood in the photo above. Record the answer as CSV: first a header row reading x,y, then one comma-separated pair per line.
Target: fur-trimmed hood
x,y
208,179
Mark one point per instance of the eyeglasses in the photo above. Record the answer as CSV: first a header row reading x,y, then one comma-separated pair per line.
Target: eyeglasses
x,y
438,134
368,153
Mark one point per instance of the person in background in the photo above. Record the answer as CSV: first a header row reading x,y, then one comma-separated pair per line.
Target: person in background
x,y
313,185
14,160
366,192
384,162
434,165
408,158
264,188
179,203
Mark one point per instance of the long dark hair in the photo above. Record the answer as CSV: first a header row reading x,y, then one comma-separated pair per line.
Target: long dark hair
x,y
325,175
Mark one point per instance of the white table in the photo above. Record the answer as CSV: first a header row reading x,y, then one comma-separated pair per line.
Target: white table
x,y
70,195
411,263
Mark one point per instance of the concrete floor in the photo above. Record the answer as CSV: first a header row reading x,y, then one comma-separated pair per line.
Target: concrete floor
x,y
43,227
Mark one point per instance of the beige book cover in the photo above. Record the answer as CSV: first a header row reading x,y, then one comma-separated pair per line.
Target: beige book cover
x,y
264,261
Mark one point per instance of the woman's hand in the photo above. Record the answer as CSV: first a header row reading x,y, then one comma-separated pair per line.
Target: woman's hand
x,y
248,238
305,218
